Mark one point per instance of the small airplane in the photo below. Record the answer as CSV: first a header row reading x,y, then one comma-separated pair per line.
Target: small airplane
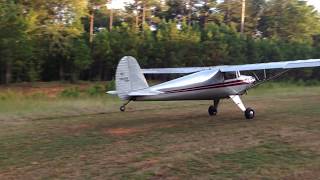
x,y
200,83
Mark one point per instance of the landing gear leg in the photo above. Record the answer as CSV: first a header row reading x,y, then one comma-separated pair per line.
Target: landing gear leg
x,y
213,110
123,107
248,112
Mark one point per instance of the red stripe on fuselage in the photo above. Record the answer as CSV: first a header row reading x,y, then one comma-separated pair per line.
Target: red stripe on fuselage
x,y
211,86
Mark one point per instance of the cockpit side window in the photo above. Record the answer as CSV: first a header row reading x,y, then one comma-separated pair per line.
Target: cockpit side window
x,y
229,76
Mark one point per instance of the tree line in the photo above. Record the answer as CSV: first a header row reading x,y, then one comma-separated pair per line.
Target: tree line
x,y
79,39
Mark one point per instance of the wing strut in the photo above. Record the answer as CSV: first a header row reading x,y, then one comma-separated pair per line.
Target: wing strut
x,y
269,79
248,112
236,99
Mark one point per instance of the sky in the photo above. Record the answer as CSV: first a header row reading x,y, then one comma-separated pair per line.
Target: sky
x,y
315,3
119,4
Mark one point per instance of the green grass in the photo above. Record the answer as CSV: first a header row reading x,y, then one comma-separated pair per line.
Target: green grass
x,y
86,137
14,105
270,155
33,148
44,107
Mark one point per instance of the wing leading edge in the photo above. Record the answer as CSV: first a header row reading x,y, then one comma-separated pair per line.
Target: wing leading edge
x,y
273,65
233,68
184,70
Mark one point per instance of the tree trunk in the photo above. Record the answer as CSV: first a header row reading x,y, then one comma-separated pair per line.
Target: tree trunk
x,y
111,20
2,74
243,14
91,27
137,15
100,70
227,15
143,14
61,71
137,22
74,77
190,13
8,72
206,14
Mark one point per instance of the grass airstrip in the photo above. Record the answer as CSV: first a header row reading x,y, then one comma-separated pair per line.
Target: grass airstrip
x,y
47,136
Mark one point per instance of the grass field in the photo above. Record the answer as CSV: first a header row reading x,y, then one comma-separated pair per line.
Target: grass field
x,y
87,138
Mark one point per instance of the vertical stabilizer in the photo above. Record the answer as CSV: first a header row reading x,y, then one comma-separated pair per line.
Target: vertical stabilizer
x,y
129,77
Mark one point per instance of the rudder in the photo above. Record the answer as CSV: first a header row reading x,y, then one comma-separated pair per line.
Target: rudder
x,y
129,77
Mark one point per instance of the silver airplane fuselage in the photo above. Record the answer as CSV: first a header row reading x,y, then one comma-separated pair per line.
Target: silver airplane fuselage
x,y
206,83
203,85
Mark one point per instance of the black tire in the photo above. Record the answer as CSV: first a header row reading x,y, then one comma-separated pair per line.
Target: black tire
x,y
122,108
212,111
249,113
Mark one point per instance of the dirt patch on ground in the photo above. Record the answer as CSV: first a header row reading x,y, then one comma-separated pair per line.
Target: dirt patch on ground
x,y
48,89
50,92
123,131
133,130
78,127
311,173
301,138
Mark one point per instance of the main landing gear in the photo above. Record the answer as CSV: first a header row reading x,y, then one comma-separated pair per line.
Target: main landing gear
x,y
213,110
248,112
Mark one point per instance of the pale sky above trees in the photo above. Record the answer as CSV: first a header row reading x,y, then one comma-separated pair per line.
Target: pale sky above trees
x,y
119,4
316,3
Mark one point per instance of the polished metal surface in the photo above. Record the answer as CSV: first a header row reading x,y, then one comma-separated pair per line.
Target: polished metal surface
x,y
234,68
204,85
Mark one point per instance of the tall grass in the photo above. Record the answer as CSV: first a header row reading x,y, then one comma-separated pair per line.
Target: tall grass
x,y
93,99
285,88
70,101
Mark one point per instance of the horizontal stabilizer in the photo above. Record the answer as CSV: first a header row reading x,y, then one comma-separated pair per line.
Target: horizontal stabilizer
x,y
145,92
112,92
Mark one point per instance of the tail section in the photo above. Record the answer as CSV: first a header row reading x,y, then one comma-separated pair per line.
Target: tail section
x,y
129,77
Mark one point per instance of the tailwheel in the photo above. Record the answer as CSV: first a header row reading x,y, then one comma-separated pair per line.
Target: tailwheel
x,y
249,113
122,108
212,111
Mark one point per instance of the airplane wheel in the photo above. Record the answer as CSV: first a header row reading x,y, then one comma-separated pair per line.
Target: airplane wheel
x,y
249,113
122,108
212,111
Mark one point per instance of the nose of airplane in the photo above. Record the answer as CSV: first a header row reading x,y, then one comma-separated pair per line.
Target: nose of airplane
x,y
250,80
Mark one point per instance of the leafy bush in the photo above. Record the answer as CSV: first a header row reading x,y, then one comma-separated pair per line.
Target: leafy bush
x,y
312,83
70,92
95,90
10,95
111,85
39,95
2,97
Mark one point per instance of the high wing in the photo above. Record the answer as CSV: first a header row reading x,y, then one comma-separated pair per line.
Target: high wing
x,y
184,70
234,68
273,65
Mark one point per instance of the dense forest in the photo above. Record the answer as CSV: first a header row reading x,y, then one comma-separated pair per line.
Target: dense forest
x,y
84,39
